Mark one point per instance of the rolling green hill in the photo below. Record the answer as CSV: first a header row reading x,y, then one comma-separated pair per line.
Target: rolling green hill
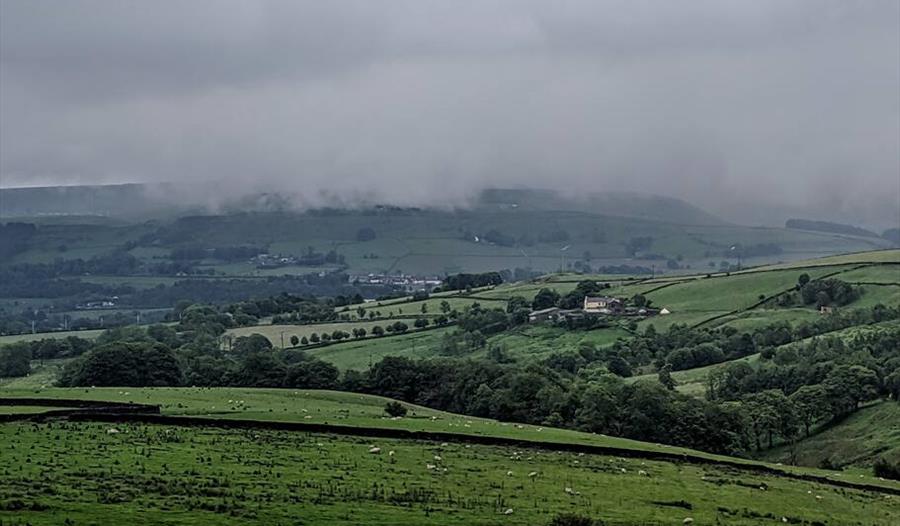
x,y
213,475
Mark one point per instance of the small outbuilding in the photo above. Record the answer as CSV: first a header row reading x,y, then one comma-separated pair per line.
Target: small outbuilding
x,y
538,316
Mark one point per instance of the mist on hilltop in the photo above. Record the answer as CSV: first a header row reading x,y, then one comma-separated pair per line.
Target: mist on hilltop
x,y
753,111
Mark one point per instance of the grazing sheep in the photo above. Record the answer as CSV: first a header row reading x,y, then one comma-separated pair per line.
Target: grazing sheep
x,y
509,511
509,473
430,466
642,472
112,431
532,474
391,453
438,458
569,490
688,520
375,450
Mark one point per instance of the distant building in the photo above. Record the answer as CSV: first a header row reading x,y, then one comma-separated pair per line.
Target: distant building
x,y
603,305
538,316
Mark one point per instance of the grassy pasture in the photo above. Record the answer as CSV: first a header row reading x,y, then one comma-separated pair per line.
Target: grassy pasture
x,y
539,341
324,407
86,334
352,409
760,317
693,381
729,293
360,354
887,274
138,282
148,474
662,322
875,294
872,256
408,308
42,375
273,332
853,443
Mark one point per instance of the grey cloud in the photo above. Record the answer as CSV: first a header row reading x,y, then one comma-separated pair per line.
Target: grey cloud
x,y
722,103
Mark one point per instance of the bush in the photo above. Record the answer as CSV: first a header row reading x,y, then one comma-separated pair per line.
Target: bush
x,y
571,519
885,469
395,409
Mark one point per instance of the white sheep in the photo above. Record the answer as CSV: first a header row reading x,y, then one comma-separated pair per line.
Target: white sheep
x,y
391,453
112,431
688,520
642,472
375,450
532,474
509,473
438,458
430,466
509,511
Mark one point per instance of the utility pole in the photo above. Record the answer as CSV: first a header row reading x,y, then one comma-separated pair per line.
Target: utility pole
x,y
282,340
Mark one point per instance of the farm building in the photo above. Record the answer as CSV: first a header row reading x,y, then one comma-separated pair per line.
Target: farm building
x,y
551,314
603,305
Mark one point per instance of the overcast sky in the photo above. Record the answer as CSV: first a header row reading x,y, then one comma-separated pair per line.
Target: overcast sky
x,y
724,103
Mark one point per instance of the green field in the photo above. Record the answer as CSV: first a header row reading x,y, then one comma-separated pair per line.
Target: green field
x,y
887,274
160,474
539,341
86,334
399,308
361,354
693,381
352,409
274,332
730,293
872,256
855,442
326,407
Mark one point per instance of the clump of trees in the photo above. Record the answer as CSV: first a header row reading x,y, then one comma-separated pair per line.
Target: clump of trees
x,y
471,281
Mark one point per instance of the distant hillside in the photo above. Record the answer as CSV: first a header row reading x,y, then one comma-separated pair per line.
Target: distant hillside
x,y
127,200
621,204
826,226
130,200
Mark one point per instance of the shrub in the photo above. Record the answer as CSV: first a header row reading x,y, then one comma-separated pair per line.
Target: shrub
x,y
886,469
395,409
571,519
